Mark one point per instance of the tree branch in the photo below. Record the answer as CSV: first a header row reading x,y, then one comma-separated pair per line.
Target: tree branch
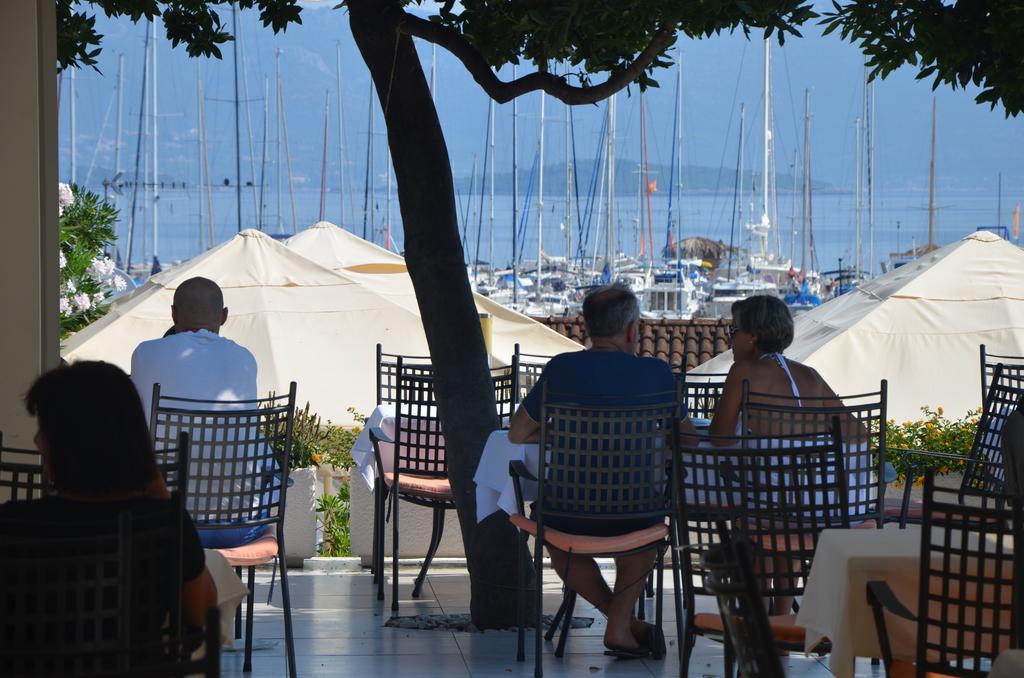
x,y
553,85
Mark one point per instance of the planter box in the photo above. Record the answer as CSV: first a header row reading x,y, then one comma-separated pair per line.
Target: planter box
x,y
300,516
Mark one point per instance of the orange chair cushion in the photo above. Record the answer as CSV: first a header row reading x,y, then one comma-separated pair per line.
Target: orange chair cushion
x,y
421,486
587,545
784,628
894,506
902,669
254,553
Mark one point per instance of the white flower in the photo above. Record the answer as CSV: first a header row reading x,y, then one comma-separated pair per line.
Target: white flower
x,y
119,284
101,268
65,306
69,287
63,260
64,198
98,298
82,302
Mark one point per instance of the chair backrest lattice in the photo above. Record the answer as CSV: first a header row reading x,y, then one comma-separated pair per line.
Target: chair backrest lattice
x,y
21,474
1013,367
701,393
731,579
967,588
238,454
778,492
388,366
862,418
505,392
419,440
985,474
105,601
604,458
528,368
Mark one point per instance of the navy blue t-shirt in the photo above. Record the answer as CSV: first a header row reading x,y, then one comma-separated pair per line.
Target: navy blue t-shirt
x,y
583,374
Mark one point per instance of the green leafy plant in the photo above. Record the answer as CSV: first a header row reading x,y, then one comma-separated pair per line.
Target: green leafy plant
x,y
87,277
315,442
337,449
934,432
333,512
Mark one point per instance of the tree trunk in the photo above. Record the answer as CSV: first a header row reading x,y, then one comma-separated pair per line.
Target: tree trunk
x,y
434,256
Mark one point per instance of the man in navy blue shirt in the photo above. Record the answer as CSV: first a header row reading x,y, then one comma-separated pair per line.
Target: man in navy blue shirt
x,y
610,367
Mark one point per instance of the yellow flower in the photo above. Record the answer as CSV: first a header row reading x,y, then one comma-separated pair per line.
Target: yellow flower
x,y
906,424
929,425
939,410
316,458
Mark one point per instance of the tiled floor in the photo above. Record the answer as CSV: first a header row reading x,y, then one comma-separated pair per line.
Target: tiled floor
x,y
339,631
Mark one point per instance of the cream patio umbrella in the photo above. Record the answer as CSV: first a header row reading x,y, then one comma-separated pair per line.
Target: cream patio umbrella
x,y
919,326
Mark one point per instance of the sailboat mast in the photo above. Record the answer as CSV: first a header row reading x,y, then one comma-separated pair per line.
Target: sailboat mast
x,y
387,238
767,128
678,187
568,189
74,128
490,244
156,160
871,176
806,184
859,173
277,145
341,140
515,193
737,205
609,243
199,149
138,150
540,201
931,186
287,149
117,134
238,136
206,161
248,124
323,162
263,153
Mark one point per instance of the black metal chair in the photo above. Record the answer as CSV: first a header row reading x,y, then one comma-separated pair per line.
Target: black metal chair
x,y
729,568
984,473
1013,369
528,368
701,393
237,472
601,459
418,473
96,603
21,470
969,597
776,492
863,420
21,474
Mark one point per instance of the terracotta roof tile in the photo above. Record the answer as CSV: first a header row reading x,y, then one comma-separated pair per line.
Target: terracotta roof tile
x,y
680,342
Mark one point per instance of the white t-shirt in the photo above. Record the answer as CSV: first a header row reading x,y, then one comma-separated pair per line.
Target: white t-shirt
x,y
200,365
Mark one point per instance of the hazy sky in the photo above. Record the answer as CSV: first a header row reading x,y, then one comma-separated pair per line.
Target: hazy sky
x,y
719,73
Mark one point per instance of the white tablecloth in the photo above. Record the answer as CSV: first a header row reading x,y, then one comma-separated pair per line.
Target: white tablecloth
x,y
494,489
362,449
230,592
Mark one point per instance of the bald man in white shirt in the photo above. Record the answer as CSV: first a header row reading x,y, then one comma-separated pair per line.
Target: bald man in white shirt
x,y
196,362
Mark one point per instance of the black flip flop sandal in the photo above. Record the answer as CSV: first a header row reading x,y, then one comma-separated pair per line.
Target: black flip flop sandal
x,y
627,653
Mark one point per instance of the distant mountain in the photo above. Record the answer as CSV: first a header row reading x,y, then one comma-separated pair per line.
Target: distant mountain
x,y
694,178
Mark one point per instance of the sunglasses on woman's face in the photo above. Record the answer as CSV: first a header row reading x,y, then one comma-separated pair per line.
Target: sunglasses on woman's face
x,y
731,331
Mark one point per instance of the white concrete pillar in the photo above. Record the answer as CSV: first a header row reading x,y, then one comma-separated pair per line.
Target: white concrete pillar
x,y
29,322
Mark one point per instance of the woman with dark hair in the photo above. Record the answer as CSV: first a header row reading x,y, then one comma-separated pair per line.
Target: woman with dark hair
x,y
97,462
762,328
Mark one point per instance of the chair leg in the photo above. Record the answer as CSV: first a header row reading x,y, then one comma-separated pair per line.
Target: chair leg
x,y
374,570
558,615
729,657
683,631
538,602
238,612
378,545
520,598
286,604
566,625
641,604
247,663
568,602
394,549
659,600
435,541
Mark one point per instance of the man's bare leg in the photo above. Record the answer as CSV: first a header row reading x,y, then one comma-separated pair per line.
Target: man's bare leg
x,y
586,580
